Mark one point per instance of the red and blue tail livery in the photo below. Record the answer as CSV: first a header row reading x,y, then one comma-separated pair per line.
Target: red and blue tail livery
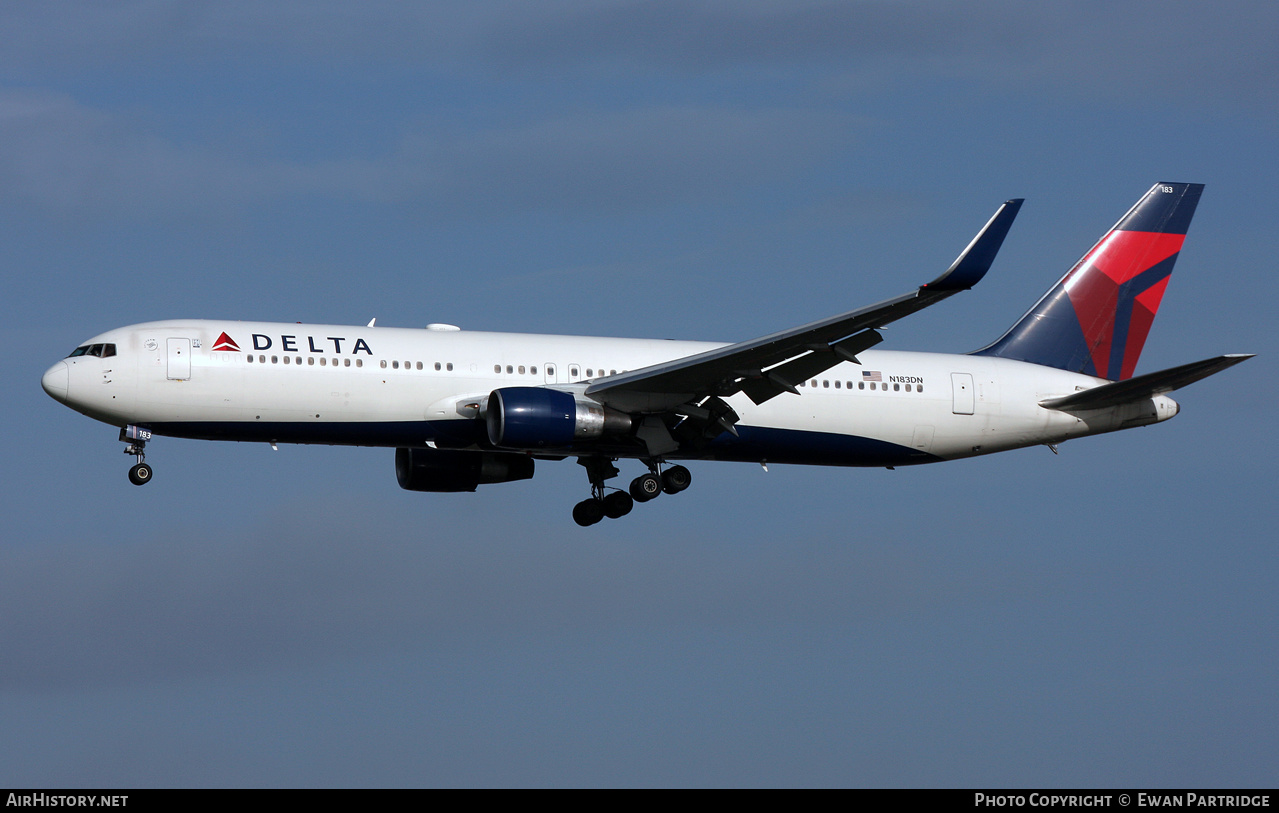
x,y
1096,319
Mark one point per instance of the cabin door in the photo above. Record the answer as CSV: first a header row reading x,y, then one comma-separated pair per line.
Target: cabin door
x,y
179,359
962,385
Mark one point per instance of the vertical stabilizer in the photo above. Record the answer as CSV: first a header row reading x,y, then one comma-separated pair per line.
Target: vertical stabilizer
x,y
1096,319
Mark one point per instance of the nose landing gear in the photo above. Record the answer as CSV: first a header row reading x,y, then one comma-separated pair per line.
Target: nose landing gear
x,y
137,438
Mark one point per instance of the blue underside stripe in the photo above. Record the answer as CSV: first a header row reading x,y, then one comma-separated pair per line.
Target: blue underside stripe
x,y
813,448
753,444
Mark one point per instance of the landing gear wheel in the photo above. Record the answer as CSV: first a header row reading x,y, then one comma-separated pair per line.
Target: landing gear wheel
x,y
676,479
588,512
646,487
140,474
617,504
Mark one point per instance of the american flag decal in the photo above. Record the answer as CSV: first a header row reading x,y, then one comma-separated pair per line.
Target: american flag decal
x,y
872,375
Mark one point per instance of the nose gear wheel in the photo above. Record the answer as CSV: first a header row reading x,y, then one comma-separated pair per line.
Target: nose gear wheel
x,y
136,438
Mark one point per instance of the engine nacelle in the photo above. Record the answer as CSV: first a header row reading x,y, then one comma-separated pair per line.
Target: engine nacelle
x,y
540,418
452,470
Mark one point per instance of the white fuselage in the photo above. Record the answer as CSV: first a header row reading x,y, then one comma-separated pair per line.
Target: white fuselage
x,y
378,386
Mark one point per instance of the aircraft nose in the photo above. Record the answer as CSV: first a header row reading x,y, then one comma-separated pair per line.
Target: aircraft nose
x,y
55,381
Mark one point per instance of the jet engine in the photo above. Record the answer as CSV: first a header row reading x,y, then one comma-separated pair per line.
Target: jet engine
x,y
540,418
452,470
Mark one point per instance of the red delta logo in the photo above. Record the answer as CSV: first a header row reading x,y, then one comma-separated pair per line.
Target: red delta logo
x,y
225,342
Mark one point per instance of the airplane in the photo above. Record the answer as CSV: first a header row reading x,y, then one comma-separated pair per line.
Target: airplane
x,y
467,408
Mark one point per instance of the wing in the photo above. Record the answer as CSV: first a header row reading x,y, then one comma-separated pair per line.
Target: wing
x,y
770,365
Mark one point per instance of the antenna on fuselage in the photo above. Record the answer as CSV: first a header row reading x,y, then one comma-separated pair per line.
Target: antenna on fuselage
x,y
372,321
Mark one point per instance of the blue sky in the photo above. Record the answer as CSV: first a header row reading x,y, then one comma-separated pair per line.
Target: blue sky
x,y
714,171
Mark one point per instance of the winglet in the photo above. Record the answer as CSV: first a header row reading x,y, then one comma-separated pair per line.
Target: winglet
x,y
975,260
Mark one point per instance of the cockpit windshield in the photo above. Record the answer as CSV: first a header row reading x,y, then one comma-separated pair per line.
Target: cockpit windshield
x,y
100,350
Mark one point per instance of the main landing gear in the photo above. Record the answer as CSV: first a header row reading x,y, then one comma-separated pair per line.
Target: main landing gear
x,y
600,505
137,438
619,503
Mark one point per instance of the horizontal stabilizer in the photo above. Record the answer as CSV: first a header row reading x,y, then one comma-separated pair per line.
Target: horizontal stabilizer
x,y
1143,386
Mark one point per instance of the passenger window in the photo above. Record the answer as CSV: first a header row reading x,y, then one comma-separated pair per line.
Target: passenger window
x,y
310,360
419,365
836,385
521,369
358,362
249,358
276,359
509,369
437,366
383,364
897,387
346,362
907,388
449,366
920,388
533,370
826,384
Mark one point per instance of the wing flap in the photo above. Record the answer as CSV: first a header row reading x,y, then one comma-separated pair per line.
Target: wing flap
x,y
783,378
